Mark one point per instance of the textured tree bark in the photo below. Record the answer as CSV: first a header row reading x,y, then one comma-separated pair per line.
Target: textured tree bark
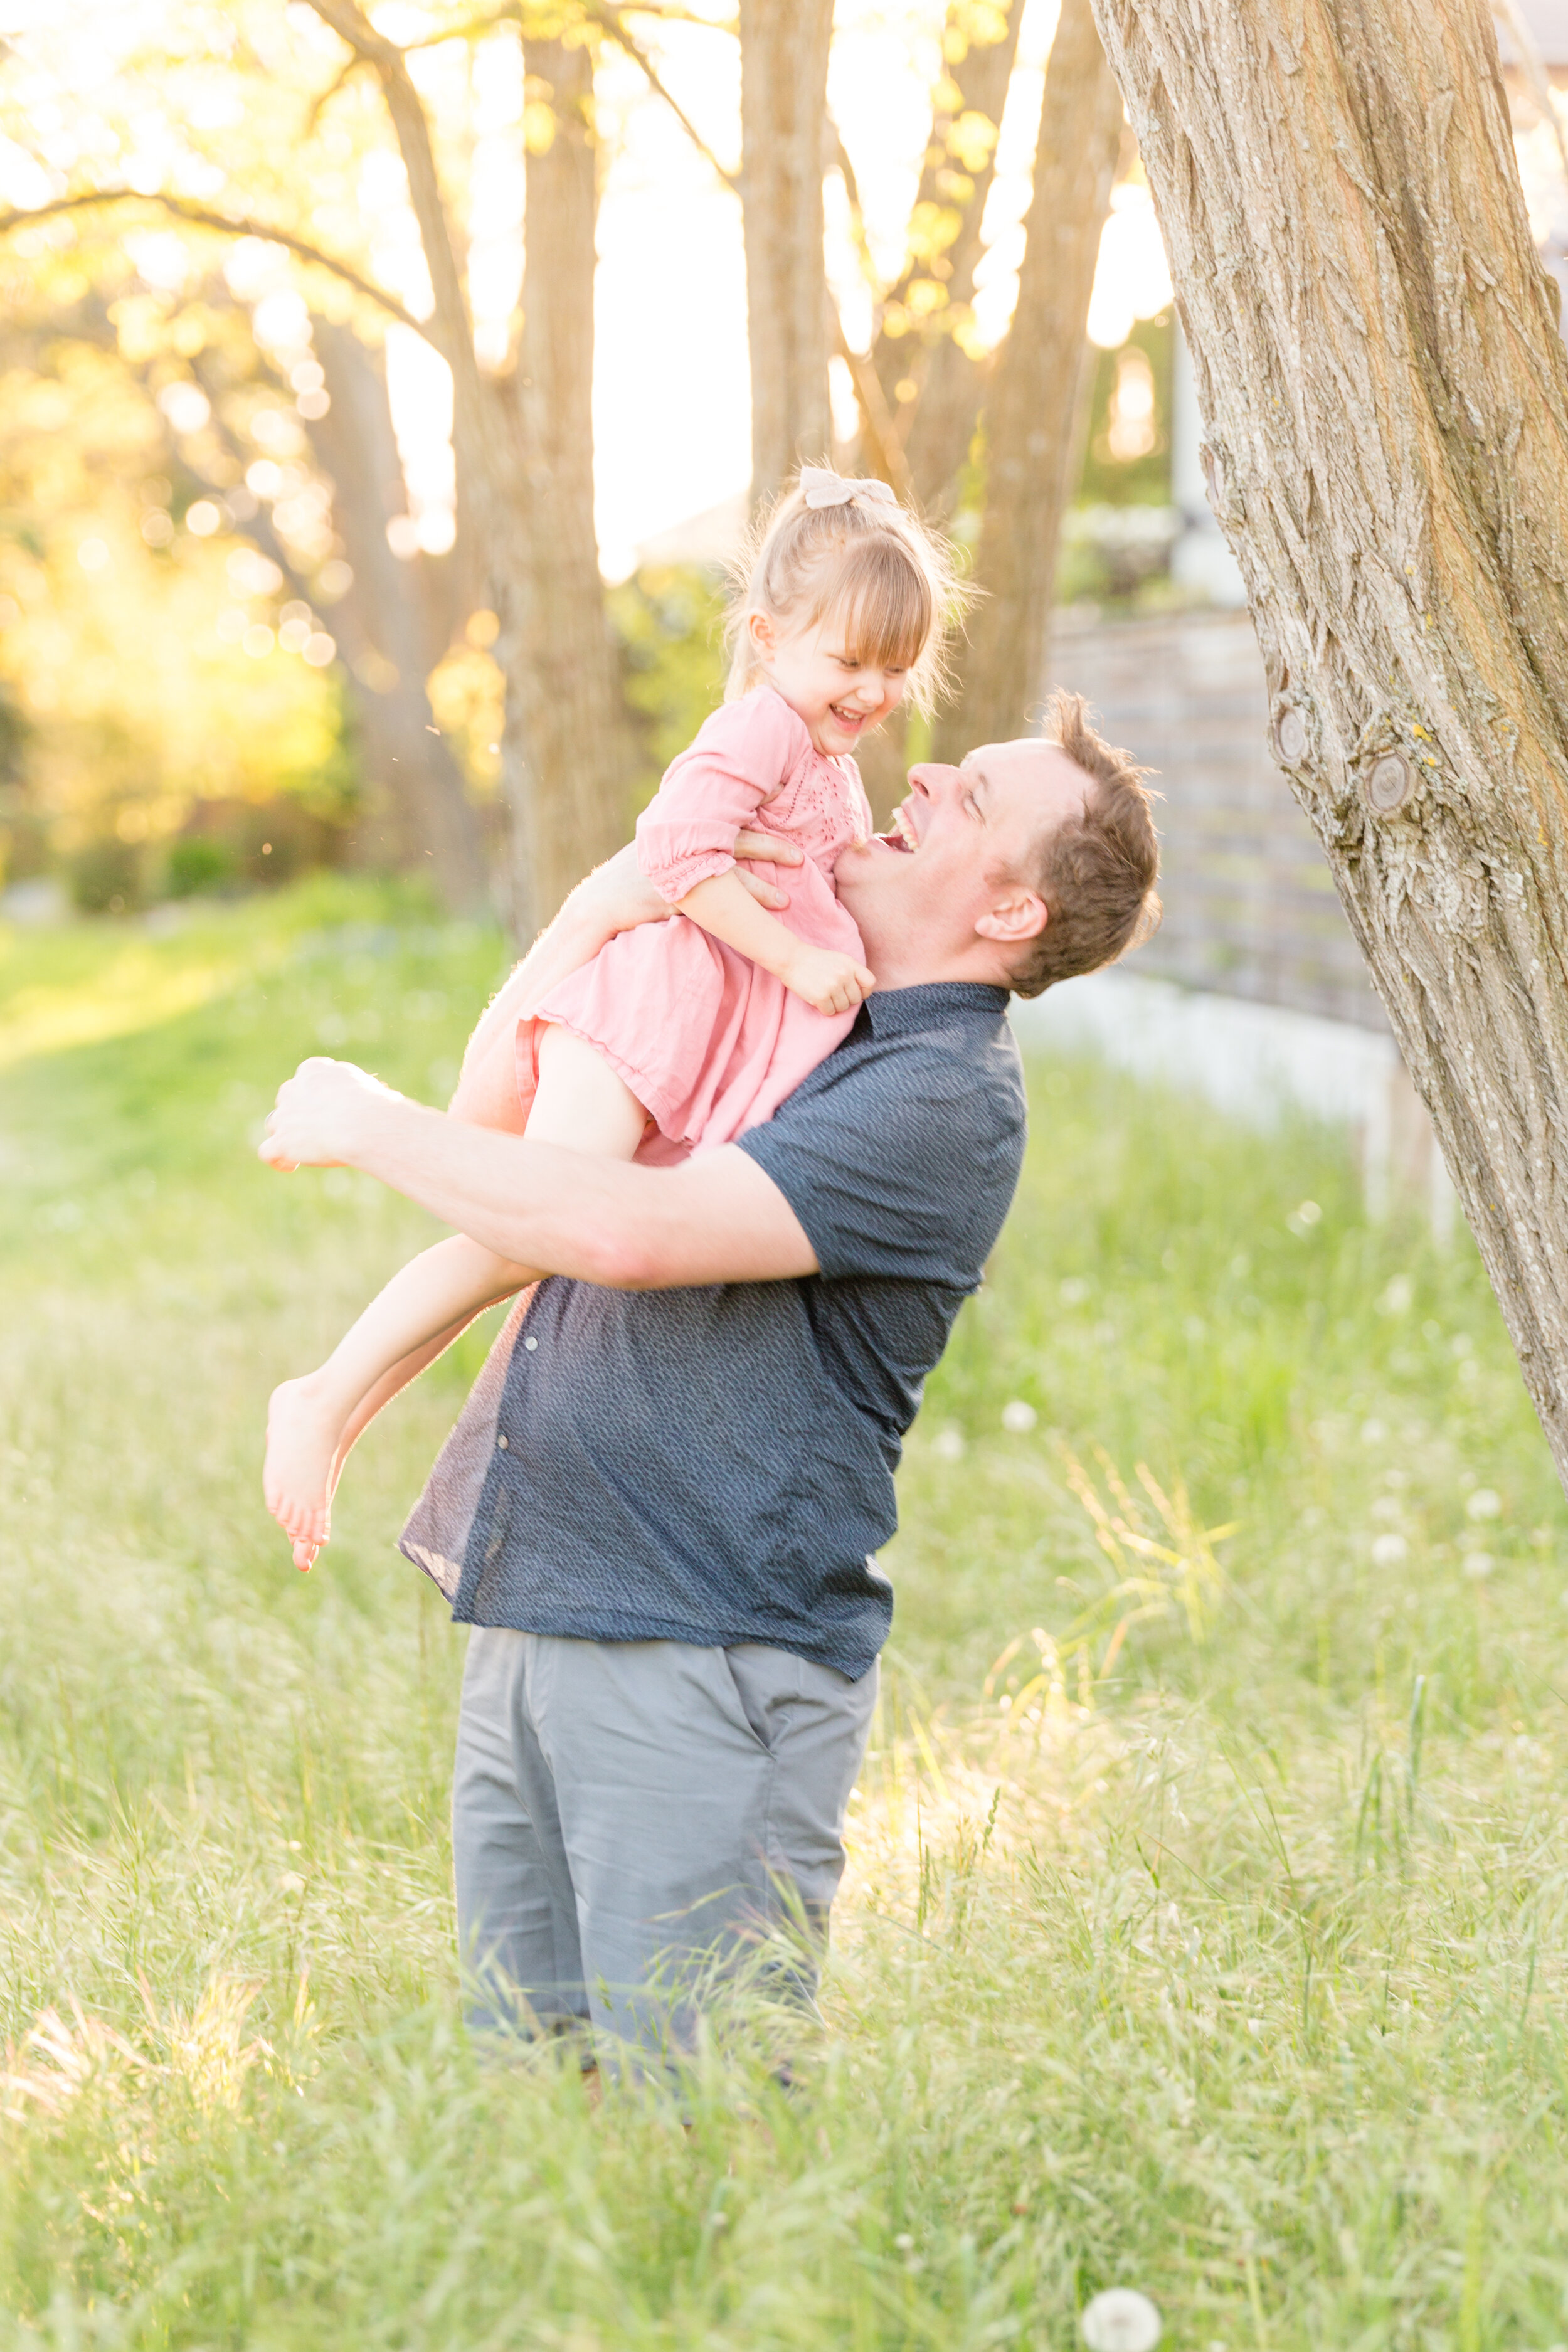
x,y
1033,415
1385,398
783,118
566,750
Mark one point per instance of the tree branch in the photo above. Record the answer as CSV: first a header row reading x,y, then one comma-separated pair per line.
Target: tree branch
x,y
362,36
838,154
227,225
260,528
612,20
453,332
325,98
881,431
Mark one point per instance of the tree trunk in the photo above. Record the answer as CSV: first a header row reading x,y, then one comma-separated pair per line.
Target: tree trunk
x,y
566,752
931,304
783,117
392,629
524,454
1033,413
1385,399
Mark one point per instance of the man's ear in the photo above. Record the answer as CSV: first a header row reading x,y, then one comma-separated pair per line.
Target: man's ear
x,y
1021,913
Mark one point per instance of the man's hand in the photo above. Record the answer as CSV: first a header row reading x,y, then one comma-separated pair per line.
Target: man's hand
x,y
831,982
320,1116
615,897
766,849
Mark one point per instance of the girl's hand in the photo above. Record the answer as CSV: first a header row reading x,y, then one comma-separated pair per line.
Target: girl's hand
x,y
828,982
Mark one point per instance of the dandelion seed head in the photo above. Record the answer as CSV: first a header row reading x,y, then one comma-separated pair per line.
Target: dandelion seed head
x,y
1121,2320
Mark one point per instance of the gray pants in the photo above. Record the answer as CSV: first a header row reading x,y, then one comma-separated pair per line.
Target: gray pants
x,y
629,1816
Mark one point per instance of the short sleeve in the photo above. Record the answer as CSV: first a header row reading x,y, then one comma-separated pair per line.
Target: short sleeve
x,y
742,756
903,1166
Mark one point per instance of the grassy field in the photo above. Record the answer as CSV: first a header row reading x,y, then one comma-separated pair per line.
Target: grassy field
x,y
1205,1929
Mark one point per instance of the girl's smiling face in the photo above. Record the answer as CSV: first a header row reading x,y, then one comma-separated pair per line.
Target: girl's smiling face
x,y
820,675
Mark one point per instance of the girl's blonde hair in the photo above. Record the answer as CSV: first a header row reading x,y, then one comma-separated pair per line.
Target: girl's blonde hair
x,y
868,561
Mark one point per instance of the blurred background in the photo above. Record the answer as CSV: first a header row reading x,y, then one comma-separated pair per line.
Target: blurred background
x,y
347,522
384,394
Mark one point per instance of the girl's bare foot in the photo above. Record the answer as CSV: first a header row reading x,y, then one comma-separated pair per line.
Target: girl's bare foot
x,y
303,1430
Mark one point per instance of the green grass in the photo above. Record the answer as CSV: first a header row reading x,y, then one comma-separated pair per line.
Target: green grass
x,y
1205,1927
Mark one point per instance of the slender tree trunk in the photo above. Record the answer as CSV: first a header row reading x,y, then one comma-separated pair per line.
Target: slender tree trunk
x,y
1033,413
392,629
784,118
525,464
566,750
929,354
1385,399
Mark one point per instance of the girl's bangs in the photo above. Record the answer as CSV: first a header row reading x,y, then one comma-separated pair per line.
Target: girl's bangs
x,y
884,601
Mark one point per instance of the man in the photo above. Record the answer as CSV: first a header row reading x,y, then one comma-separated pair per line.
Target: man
x,y
659,1508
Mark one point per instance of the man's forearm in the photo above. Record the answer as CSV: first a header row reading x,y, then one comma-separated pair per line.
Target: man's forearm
x,y
717,1219
531,1202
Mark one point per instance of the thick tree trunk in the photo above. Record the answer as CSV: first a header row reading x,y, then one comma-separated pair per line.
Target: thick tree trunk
x,y
784,118
1385,399
567,756
392,629
1032,413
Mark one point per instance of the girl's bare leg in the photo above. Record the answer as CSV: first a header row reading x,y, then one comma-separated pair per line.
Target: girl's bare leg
x,y
581,1106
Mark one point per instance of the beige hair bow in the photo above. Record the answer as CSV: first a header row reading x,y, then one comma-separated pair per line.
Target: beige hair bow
x,y
820,486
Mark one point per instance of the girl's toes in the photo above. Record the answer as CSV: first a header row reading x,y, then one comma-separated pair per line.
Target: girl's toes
x,y
305,1555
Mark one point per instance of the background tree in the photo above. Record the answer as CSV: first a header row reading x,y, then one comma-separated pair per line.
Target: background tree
x,y
523,439
393,624
1386,402
783,118
1032,419
524,442
921,392
934,399
566,742
318,111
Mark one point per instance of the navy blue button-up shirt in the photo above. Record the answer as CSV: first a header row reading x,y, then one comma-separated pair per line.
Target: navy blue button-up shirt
x,y
715,1465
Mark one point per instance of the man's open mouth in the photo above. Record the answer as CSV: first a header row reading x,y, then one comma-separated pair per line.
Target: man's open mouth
x,y
900,834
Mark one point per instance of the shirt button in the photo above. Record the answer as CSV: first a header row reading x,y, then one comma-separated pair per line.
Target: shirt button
x,y
531,1345
501,1442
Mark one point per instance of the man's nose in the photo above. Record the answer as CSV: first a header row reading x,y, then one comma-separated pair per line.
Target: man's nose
x,y
934,778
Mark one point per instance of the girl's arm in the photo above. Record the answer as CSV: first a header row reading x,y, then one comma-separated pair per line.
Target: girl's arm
x,y
614,897
740,761
826,978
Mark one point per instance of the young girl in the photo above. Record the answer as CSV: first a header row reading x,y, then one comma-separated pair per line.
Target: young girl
x,y
679,1035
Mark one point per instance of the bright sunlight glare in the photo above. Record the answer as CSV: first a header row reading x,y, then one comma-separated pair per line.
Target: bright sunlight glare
x,y
671,400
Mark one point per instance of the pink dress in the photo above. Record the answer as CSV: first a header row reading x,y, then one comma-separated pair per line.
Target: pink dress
x,y
708,1042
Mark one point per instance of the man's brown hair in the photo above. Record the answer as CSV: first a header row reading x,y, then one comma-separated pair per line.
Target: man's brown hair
x,y
1096,870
